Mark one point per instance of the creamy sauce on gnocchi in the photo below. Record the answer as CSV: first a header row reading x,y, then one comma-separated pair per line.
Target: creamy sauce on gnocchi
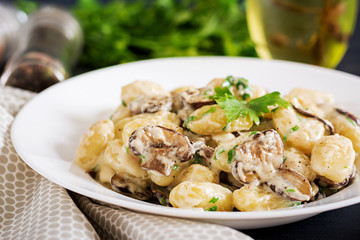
x,y
257,150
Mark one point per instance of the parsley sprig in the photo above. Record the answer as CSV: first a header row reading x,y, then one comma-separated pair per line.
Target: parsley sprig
x,y
235,108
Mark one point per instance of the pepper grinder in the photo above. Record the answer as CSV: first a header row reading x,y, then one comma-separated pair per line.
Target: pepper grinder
x,y
11,20
49,47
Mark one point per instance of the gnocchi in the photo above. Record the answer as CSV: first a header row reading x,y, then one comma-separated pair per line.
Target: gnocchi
x,y
227,146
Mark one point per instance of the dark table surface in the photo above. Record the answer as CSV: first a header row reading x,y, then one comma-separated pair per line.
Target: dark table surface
x,y
337,224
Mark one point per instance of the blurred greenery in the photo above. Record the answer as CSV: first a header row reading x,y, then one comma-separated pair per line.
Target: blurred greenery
x,y
122,31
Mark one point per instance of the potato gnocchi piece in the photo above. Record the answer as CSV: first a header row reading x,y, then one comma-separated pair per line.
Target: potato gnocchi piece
x,y
205,195
211,119
170,120
122,161
198,173
220,138
299,162
92,143
120,113
333,157
296,130
255,198
162,180
345,126
138,88
313,100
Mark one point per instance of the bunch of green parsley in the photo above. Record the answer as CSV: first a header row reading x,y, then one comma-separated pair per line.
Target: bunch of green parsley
x,y
121,31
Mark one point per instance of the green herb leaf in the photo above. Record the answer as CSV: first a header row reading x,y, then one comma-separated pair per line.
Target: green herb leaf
x,y
210,110
218,152
235,108
213,209
214,200
164,28
237,82
231,154
127,149
95,167
189,119
351,121
284,159
142,158
175,167
252,133
290,190
197,159
163,201
123,103
295,128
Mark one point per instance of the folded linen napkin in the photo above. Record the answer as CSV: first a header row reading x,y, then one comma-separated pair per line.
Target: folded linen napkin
x,y
32,207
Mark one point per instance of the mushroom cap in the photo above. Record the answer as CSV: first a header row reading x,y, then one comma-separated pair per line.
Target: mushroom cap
x,y
160,148
150,104
290,184
258,157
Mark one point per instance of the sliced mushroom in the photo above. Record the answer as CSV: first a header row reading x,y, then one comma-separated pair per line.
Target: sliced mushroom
x,y
131,186
290,184
150,104
258,157
203,153
160,148
328,124
325,182
349,115
161,194
188,101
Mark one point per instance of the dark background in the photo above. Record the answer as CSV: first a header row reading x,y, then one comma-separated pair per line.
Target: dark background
x,y
337,224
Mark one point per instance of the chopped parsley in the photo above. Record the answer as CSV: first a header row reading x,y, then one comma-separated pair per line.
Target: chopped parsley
x,y
214,200
142,158
189,119
235,108
290,190
123,103
127,149
95,167
212,209
285,158
175,167
295,128
237,82
252,133
218,152
163,201
297,203
197,159
291,130
351,121
231,154
210,110
225,127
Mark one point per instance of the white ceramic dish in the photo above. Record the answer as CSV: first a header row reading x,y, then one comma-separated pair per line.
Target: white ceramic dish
x,y
47,130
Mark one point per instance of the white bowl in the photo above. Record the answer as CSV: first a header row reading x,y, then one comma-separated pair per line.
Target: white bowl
x,y
47,131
